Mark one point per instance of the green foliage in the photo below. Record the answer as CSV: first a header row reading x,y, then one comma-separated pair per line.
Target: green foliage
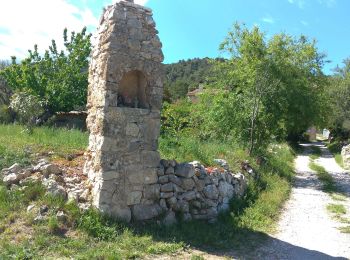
x,y
5,114
338,209
27,107
267,90
60,77
339,97
53,225
184,76
97,225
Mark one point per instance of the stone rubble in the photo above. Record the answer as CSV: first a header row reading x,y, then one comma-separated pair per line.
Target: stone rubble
x,y
53,178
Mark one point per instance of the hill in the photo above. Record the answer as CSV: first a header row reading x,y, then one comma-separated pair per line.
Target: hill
x,y
187,75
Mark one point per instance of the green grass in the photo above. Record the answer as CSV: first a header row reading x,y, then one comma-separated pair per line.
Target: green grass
x,y
338,197
18,146
89,234
328,184
338,158
316,152
345,229
337,209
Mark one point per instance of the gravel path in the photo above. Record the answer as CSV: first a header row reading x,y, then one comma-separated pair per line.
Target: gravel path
x,y
306,229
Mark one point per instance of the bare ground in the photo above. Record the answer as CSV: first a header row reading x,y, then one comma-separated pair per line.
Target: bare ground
x,y
306,229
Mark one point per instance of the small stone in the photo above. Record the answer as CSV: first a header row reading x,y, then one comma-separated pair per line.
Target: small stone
x,y
49,169
162,203
184,170
61,216
166,195
190,195
211,192
30,208
163,179
174,179
144,212
169,219
15,168
10,179
170,170
168,187
43,209
187,184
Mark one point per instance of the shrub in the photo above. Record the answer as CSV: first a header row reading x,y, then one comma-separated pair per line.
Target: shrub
x,y
5,114
28,108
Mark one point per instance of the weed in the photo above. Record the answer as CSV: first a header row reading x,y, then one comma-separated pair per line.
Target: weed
x,y
53,225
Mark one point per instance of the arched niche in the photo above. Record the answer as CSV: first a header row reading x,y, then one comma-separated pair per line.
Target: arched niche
x,y
133,91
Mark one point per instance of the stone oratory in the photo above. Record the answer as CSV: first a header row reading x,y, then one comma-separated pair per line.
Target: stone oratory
x,y
129,181
124,102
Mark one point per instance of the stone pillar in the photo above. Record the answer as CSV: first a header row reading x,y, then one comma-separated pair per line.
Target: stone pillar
x,y
124,102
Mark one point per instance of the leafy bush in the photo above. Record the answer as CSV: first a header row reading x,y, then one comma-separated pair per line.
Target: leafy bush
x,y
5,114
28,108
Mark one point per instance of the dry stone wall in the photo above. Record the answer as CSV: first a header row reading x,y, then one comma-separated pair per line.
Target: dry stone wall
x,y
129,180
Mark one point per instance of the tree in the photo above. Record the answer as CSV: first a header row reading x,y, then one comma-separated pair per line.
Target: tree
x,y
60,77
267,89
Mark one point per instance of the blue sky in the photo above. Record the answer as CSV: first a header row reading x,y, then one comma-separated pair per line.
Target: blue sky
x,y
187,28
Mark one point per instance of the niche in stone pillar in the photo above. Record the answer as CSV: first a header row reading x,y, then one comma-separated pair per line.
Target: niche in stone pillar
x,y
133,90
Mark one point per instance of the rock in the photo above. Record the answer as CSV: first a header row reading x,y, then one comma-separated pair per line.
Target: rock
x,y
152,192
144,212
49,169
169,219
166,195
30,208
190,195
73,196
200,184
225,189
54,189
43,209
222,163
61,216
196,164
10,179
172,201
187,184
187,217
164,163
174,179
211,192
168,187
170,170
184,170
15,168
163,179
163,205
133,198
84,197
39,218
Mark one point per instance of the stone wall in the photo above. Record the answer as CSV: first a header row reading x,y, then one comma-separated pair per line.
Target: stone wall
x,y
345,154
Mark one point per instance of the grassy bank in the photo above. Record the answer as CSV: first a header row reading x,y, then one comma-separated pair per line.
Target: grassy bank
x,y
17,146
86,235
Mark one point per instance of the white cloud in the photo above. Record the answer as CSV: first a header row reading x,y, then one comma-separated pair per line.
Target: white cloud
x,y
268,19
25,23
300,3
305,23
38,22
328,3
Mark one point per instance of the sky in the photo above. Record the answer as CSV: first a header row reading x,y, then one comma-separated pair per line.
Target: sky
x,y
187,28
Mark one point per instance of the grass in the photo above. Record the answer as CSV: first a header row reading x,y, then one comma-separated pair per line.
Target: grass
x,y
335,149
345,229
328,184
16,145
338,158
316,152
337,209
89,234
